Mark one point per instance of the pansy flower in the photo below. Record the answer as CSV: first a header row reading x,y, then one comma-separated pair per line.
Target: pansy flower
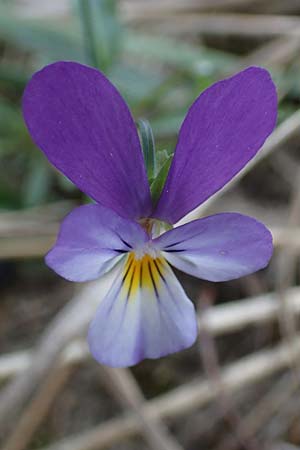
x,y
84,127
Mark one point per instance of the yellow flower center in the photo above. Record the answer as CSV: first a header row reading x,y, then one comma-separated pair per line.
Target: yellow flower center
x,y
145,272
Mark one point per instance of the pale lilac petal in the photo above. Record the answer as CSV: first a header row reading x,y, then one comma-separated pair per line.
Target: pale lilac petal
x,y
218,248
82,124
223,130
91,241
138,320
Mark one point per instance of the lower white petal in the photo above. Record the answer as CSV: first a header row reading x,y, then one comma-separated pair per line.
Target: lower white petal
x,y
145,314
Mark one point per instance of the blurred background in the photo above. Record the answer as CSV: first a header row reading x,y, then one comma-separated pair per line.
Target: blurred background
x,y
238,387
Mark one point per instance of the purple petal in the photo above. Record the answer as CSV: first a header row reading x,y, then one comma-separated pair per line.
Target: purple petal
x,y
218,248
223,130
82,124
91,241
146,314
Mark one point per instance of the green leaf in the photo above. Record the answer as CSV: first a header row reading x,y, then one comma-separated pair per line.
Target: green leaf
x,y
161,158
168,125
135,82
12,79
11,122
102,32
37,183
8,198
65,183
148,147
180,54
44,37
158,184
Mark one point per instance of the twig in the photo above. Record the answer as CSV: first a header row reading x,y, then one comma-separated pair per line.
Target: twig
x,y
220,320
283,419
286,237
274,400
35,412
279,51
191,396
69,323
133,10
247,25
124,388
284,446
286,271
286,167
211,365
30,233
33,218
26,247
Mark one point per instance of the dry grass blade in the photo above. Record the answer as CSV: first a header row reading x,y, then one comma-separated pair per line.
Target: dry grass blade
x,y
219,320
278,52
37,409
26,247
273,401
189,397
69,323
125,389
241,25
134,10
286,237
284,417
286,274
227,409
31,232
284,446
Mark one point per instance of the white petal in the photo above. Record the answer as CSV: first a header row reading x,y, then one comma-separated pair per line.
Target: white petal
x,y
146,314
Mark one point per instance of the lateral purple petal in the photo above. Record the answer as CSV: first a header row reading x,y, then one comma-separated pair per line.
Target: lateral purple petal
x,y
218,248
92,239
84,127
223,130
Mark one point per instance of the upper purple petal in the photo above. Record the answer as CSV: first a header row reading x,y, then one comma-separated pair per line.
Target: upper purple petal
x,y
91,241
82,124
218,248
223,130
